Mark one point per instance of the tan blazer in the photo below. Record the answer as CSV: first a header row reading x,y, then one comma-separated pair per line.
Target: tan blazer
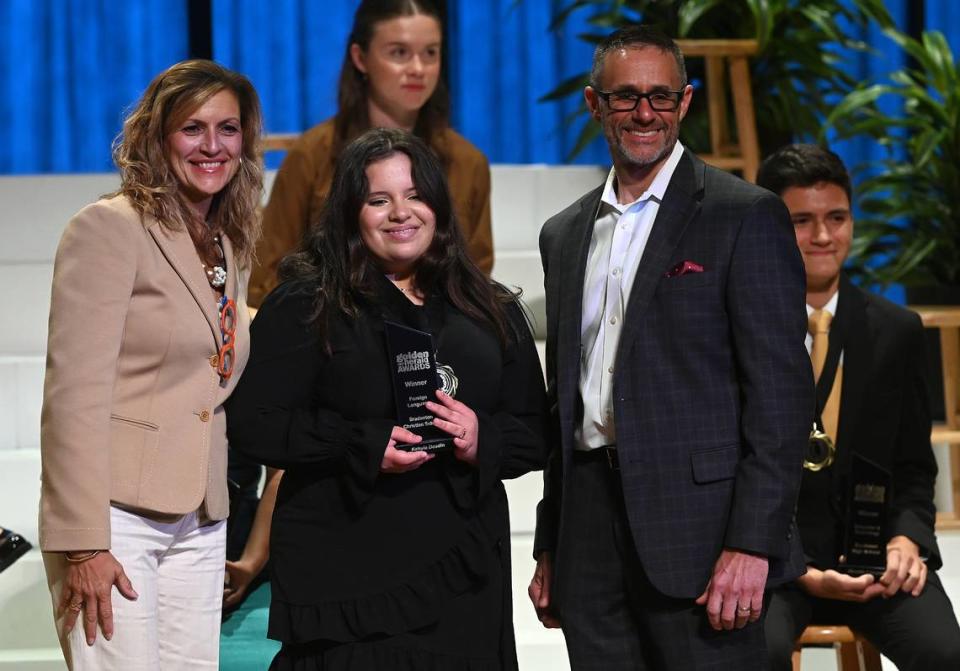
x,y
132,402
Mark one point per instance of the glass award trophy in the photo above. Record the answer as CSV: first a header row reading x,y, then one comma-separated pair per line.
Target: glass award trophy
x,y
865,521
413,370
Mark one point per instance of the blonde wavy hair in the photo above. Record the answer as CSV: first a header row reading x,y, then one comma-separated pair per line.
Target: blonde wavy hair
x,y
147,179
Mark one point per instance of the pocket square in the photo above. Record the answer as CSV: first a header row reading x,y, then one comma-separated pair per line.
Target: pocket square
x,y
683,268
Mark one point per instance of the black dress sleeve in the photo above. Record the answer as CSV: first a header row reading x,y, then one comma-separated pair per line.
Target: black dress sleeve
x,y
511,436
270,415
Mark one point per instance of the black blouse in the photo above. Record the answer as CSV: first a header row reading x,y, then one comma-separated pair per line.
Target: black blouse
x,y
355,552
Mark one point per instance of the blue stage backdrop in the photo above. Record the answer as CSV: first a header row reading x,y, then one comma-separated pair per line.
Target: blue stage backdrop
x,y
291,50
502,61
70,68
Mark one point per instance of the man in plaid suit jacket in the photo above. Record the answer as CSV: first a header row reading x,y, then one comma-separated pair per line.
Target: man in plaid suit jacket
x,y
681,388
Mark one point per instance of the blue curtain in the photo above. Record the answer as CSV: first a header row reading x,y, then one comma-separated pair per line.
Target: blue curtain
x,y
69,69
291,50
872,67
502,61
944,15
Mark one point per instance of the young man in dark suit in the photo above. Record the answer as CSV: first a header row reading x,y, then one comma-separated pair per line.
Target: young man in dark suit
x,y
873,405
682,394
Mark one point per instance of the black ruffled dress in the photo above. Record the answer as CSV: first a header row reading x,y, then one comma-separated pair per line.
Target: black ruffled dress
x,y
377,571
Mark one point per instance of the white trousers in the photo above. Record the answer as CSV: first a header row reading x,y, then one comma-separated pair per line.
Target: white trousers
x,y
177,569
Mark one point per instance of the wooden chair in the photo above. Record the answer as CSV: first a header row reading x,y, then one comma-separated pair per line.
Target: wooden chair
x,y
854,653
278,141
947,320
744,154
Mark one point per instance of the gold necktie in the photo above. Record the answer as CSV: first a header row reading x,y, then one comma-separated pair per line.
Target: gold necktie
x,y
819,326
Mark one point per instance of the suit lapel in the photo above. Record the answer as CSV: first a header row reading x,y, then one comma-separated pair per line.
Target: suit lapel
x,y
680,204
572,265
856,363
177,247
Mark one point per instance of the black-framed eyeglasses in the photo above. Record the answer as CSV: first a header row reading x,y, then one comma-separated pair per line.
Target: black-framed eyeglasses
x,y
627,101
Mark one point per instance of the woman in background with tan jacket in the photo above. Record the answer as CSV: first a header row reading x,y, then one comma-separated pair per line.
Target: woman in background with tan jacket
x,y
390,78
148,336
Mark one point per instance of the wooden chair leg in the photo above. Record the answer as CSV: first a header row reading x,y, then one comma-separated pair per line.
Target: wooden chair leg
x,y
950,361
848,657
717,105
746,118
869,657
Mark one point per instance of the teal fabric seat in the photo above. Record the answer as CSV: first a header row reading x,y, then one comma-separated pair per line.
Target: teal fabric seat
x,y
244,645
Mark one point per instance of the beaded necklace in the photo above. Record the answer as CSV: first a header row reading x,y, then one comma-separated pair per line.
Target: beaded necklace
x,y
217,274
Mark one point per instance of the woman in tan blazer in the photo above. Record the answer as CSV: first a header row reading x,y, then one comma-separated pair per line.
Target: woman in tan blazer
x,y
148,336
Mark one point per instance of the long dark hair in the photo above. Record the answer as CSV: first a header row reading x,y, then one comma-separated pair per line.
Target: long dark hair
x,y
336,265
353,117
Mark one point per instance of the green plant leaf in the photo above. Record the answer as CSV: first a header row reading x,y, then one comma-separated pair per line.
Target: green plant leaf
x,y
762,21
566,87
688,13
589,132
943,72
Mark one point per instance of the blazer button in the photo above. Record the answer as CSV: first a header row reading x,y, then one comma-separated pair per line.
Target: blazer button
x,y
204,416
214,361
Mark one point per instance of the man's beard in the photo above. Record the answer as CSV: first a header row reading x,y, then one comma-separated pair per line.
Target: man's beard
x,y
646,158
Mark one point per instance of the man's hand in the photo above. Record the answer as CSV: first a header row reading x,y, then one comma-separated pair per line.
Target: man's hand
x,y
734,595
830,584
539,591
906,572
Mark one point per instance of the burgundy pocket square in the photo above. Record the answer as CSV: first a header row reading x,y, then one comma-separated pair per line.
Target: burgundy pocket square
x,y
683,268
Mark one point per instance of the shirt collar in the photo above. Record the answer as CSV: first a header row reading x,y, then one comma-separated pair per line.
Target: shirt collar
x,y
657,188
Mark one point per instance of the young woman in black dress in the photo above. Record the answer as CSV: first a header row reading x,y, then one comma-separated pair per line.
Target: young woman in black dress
x,y
383,558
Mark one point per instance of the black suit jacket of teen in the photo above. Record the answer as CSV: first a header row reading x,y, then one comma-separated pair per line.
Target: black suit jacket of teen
x,y
885,417
713,389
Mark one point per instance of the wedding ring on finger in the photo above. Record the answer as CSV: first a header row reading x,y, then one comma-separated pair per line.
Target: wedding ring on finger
x,y
463,433
76,606
743,611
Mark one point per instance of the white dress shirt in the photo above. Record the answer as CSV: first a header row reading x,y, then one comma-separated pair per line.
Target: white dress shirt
x,y
620,235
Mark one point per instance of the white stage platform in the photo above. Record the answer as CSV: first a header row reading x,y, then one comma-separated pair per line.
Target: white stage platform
x,y
35,210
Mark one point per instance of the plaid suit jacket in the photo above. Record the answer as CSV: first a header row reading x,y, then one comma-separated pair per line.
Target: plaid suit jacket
x,y
713,389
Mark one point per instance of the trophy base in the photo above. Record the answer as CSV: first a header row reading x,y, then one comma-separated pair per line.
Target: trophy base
x,y
430,446
857,571
858,568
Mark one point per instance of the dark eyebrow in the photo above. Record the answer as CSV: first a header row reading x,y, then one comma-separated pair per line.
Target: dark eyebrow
x,y
401,43
660,88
